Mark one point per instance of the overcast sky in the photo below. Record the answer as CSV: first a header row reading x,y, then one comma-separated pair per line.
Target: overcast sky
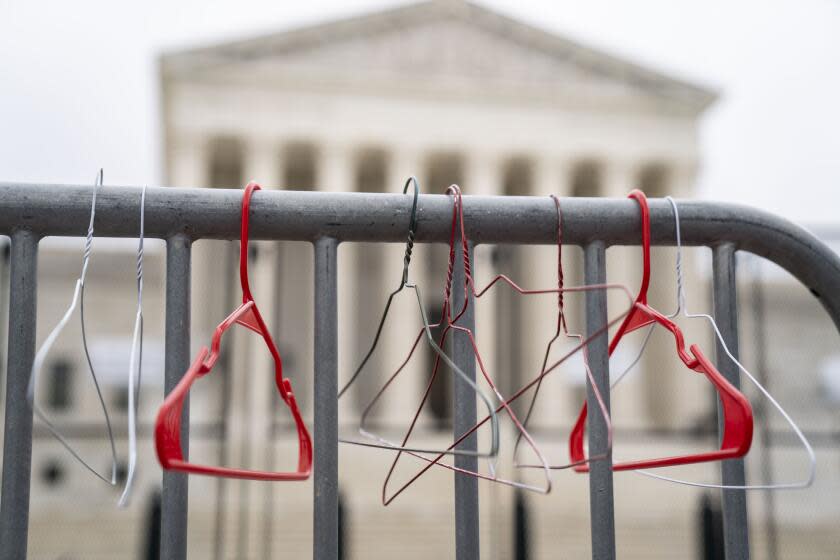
x,y
78,83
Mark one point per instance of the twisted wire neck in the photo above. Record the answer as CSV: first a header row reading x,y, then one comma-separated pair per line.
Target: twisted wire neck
x,y
681,299
412,227
409,247
450,272
89,237
140,247
560,280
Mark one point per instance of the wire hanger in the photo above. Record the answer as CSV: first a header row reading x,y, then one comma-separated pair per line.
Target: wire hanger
x,y
737,413
469,285
563,330
377,440
168,424
449,318
40,357
682,309
135,363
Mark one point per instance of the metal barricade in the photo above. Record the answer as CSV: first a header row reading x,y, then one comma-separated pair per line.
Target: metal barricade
x,y
182,216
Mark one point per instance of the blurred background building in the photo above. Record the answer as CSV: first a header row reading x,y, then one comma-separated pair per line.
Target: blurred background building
x,y
450,92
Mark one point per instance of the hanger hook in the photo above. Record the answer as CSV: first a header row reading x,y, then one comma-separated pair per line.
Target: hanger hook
x,y
458,220
412,226
89,238
681,300
243,240
455,192
560,280
644,210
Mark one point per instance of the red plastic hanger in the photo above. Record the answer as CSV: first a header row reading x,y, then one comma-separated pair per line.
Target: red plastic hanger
x,y
737,412
168,425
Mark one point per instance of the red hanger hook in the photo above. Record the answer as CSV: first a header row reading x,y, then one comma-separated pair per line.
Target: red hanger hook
x,y
458,223
644,210
243,241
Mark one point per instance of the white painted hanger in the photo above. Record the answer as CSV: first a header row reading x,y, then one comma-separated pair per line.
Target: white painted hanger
x,y
135,364
77,301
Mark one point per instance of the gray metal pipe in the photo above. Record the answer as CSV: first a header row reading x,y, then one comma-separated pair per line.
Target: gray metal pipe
x,y
601,505
183,215
464,418
325,444
306,216
17,442
736,527
174,502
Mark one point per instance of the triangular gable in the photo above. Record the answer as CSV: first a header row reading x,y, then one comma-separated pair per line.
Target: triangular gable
x,y
441,41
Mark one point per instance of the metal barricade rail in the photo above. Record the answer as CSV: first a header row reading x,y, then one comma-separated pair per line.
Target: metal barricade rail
x,y
29,212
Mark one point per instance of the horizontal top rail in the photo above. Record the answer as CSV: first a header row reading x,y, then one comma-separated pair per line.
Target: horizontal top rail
x,y
306,216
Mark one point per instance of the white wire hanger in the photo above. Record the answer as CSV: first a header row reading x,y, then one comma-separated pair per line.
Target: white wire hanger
x,y
77,301
682,309
135,364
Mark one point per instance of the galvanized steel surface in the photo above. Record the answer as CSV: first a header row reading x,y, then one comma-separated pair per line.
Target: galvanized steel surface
x,y
736,535
180,216
306,216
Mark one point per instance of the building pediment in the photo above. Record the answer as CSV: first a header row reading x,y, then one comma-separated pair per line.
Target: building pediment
x,y
440,45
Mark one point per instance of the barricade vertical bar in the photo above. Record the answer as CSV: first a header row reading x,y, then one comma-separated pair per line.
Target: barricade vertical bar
x,y
17,445
602,515
173,541
735,524
325,483
464,417
5,254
